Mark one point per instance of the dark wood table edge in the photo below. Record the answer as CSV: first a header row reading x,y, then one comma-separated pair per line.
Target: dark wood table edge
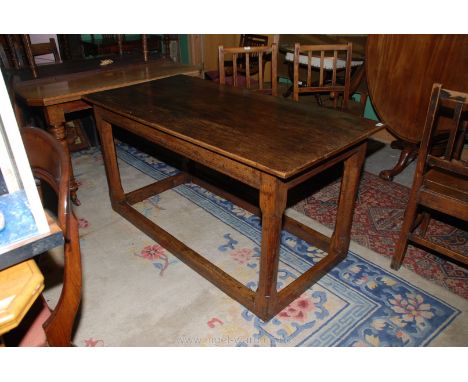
x,y
55,108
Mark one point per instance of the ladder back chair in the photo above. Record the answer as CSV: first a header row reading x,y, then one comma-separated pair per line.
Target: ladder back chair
x,y
33,50
249,58
440,182
49,164
327,60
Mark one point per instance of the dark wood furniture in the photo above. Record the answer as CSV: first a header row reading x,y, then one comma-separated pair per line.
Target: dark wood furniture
x,y
328,60
286,49
249,59
440,182
246,40
400,72
43,48
268,143
60,88
50,164
118,44
39,49
20,53
70,46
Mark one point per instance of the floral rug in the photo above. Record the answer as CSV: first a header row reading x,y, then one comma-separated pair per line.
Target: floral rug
x,y
377,222
138,294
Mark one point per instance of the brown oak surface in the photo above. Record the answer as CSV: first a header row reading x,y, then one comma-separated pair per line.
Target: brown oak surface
x,y
269,143
66,82
401,70
271,134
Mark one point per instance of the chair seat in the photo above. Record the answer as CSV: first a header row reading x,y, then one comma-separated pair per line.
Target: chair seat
x,y
328,62
447,183
445,192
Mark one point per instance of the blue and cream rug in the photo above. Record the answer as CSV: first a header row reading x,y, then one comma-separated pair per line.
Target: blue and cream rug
x,y
138,294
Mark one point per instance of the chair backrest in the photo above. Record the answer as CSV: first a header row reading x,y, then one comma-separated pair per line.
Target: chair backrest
x,y
328,61
249,60
451,107
33,50
43,48
49,163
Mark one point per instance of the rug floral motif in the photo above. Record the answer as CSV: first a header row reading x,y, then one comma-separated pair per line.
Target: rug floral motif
x,y
356,304
377,222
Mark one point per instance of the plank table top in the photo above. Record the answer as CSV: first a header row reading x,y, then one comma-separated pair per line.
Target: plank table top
x,y
69,81
271,134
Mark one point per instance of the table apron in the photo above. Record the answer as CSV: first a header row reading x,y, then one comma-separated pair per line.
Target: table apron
x,y
227,166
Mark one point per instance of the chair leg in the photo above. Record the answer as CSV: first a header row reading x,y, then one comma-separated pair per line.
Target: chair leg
x,y
58,328
402,244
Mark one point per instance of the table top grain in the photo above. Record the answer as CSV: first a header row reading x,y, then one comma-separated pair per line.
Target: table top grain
x,y
69,81
274,135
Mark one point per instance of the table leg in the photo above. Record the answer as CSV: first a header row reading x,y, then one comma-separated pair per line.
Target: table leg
x,y
55,119
273,195
114,182
339,244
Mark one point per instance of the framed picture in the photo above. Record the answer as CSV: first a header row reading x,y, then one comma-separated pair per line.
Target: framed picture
x,y
22,216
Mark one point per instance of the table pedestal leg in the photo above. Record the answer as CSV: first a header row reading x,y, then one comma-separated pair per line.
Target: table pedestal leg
x,y
55,118
409,151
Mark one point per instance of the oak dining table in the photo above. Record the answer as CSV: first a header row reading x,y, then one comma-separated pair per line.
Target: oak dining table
x,y
60,88
268,143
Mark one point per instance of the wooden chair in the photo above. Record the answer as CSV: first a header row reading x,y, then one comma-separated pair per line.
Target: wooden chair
x,y
49,164
43,48
440,182
328,60
33,50
248,58
246,40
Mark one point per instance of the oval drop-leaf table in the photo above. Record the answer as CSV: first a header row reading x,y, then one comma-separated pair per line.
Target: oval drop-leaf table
x,y
400,72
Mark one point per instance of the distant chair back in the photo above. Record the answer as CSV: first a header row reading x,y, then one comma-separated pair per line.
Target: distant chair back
x,y
247,61
326,61
44,48
39,49
440,182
